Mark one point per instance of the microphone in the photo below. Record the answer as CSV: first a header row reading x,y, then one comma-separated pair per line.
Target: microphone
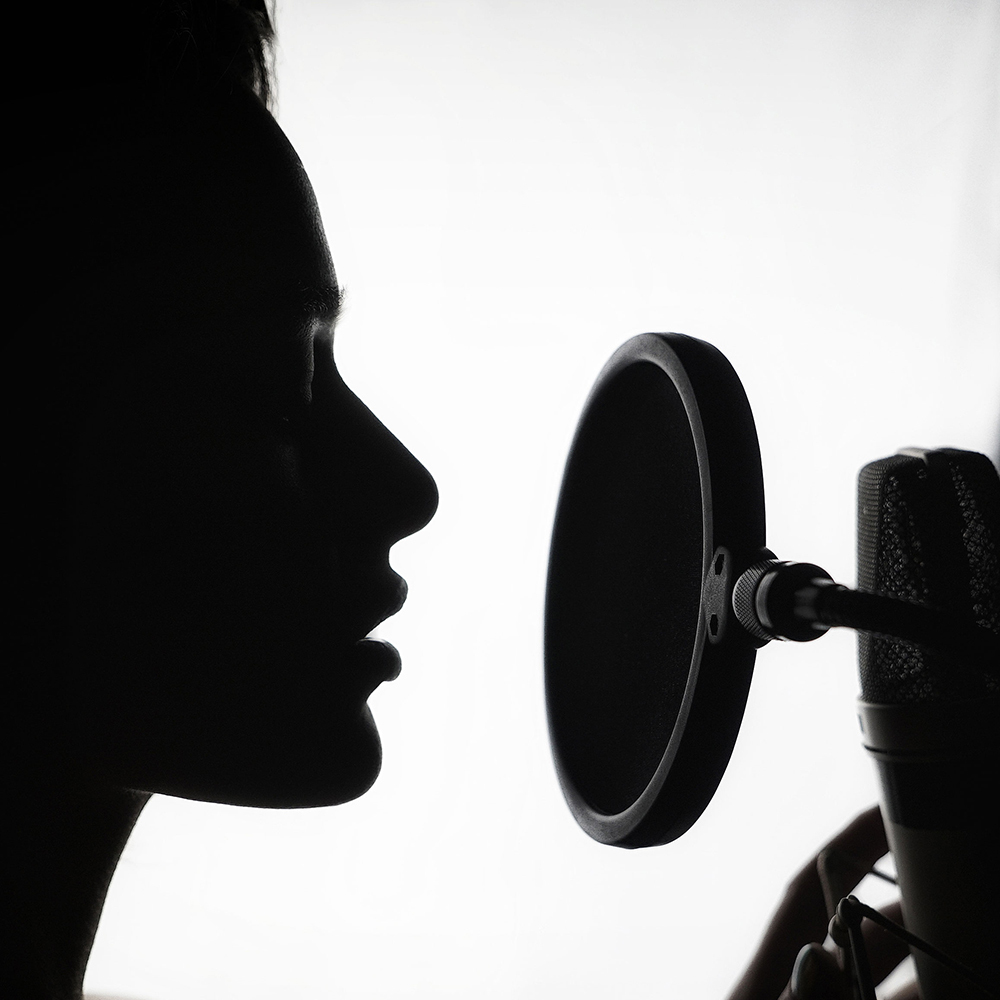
x,y
661,590
929,531
928,616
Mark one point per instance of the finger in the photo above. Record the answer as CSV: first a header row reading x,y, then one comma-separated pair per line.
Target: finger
x,y
816,976
802,916
844,861
863,838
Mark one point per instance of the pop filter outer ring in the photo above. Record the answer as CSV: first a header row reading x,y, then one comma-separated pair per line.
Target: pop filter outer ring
x,y
647,670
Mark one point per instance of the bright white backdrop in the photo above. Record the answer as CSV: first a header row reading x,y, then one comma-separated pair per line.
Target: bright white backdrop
x,y
511,188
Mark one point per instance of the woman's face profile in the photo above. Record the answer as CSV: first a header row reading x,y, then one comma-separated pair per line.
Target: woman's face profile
x,y
234,503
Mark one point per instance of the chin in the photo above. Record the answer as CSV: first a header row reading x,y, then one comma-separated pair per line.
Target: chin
x,y
331,780
270,771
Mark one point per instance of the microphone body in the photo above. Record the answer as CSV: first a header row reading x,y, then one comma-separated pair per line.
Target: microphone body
x,y
937,770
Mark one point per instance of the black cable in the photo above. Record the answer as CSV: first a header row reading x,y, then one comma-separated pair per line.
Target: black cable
x,y
892,618
851,910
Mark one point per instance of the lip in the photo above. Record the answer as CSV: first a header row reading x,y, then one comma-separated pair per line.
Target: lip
x,y
377,660
389,598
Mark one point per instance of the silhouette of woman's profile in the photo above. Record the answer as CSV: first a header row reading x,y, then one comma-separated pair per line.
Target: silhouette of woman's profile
x,y
202,511
208,508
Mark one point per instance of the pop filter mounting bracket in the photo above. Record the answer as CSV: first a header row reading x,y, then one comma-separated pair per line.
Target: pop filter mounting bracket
x,y
647,669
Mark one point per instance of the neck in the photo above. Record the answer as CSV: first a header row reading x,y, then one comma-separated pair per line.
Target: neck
x,y
68,839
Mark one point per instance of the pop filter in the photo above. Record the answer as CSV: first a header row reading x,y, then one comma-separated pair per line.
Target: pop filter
x,y
647,669
660,591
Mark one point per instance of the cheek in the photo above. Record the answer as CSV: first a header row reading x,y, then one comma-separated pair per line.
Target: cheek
x,y
172,516
208,591
204,552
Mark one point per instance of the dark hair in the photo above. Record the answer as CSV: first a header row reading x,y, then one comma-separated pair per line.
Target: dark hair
x,y
140,50
212,42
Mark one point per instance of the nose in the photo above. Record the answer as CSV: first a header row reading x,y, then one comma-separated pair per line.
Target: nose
x,y
366,477
385,493
402,491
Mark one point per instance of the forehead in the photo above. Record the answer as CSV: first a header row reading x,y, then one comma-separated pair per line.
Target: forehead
x,y
202,238
244,217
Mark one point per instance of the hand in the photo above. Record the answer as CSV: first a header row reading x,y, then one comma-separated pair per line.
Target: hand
x,y
791,962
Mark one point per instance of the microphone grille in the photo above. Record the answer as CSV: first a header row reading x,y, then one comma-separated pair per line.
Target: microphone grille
x,y
928,531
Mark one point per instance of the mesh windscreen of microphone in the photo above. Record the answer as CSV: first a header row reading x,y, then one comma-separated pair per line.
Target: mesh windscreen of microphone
x,y
928,531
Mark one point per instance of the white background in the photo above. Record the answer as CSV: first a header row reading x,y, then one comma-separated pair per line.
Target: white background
x,y
511,189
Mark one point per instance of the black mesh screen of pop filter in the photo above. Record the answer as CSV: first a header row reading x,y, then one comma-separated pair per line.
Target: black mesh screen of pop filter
x,y
661,508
